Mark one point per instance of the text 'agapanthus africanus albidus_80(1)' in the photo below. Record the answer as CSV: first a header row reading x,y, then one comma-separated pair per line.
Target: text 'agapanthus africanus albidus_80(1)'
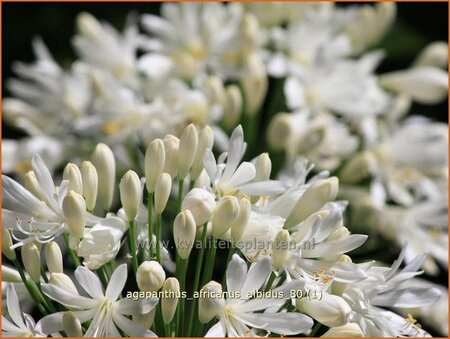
x,y
226,169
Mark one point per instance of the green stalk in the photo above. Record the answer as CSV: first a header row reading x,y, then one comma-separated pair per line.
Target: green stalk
x,y
73,255
181,302
180,194
270,282
132,244
209,263
150,223
30,289
158,237
101,272
195,287
44,275
227,262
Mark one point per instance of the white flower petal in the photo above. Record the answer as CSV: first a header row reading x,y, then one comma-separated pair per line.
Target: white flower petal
x,y
89,282
128,326
216,331
12,302
290,323
236,271
133,307
256,276
68,299
408,297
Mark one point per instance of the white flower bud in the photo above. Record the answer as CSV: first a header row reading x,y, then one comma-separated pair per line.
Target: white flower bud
x,y
31,259
130,194
435,55
104,162
330,310
171,145
169,301
340,233
6,244
233,106
53,257
209,302
184,229
250,31
205,141
72,174
263,166
200,203
254,83
337,288
279,131
31,183
239,225
10,274
358,167
280,250
74,209
63,281
350,330
313,199
154,163
225,214
72,325
90,184
425,84
215,90
187,150
145,320
162,192
88,25
150,276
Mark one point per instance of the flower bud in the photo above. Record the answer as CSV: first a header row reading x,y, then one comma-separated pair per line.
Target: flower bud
x,y
215,90
72,325
104,162
53,257
239,225
263,166
171,145
90,184
6,244
280,250
187,150
339,234
205,141
169,303
145,320
425,84
162,192
435,54
254,83
200,203
233,106
209,302
184,229
154,163
337,288
318,194
31,259
350,330
31,183
72,174
74,209
10,274
63,281
224,216
88,25
279,132
150,276
330,310
130,194
358,167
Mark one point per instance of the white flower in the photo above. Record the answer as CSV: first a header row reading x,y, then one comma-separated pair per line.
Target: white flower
x,y
101,243
106,312
238,314
198,37
22,324
346,87
32,218
232,177
385,287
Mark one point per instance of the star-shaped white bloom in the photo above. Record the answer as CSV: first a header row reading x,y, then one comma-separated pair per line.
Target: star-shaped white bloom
x,y
105,310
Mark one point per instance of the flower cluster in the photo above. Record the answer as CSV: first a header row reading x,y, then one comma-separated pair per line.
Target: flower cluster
x,y
152,216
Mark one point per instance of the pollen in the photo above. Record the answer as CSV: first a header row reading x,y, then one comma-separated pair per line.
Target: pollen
x,y
110,127
323,277
22,166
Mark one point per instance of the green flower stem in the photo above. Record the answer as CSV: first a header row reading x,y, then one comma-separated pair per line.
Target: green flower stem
x,y
132,245
44,275
195,286
181,276
167,330
231,251
315,329
30,289
150,222
158,237
270,282
76,261
101,272
209,262
180,194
